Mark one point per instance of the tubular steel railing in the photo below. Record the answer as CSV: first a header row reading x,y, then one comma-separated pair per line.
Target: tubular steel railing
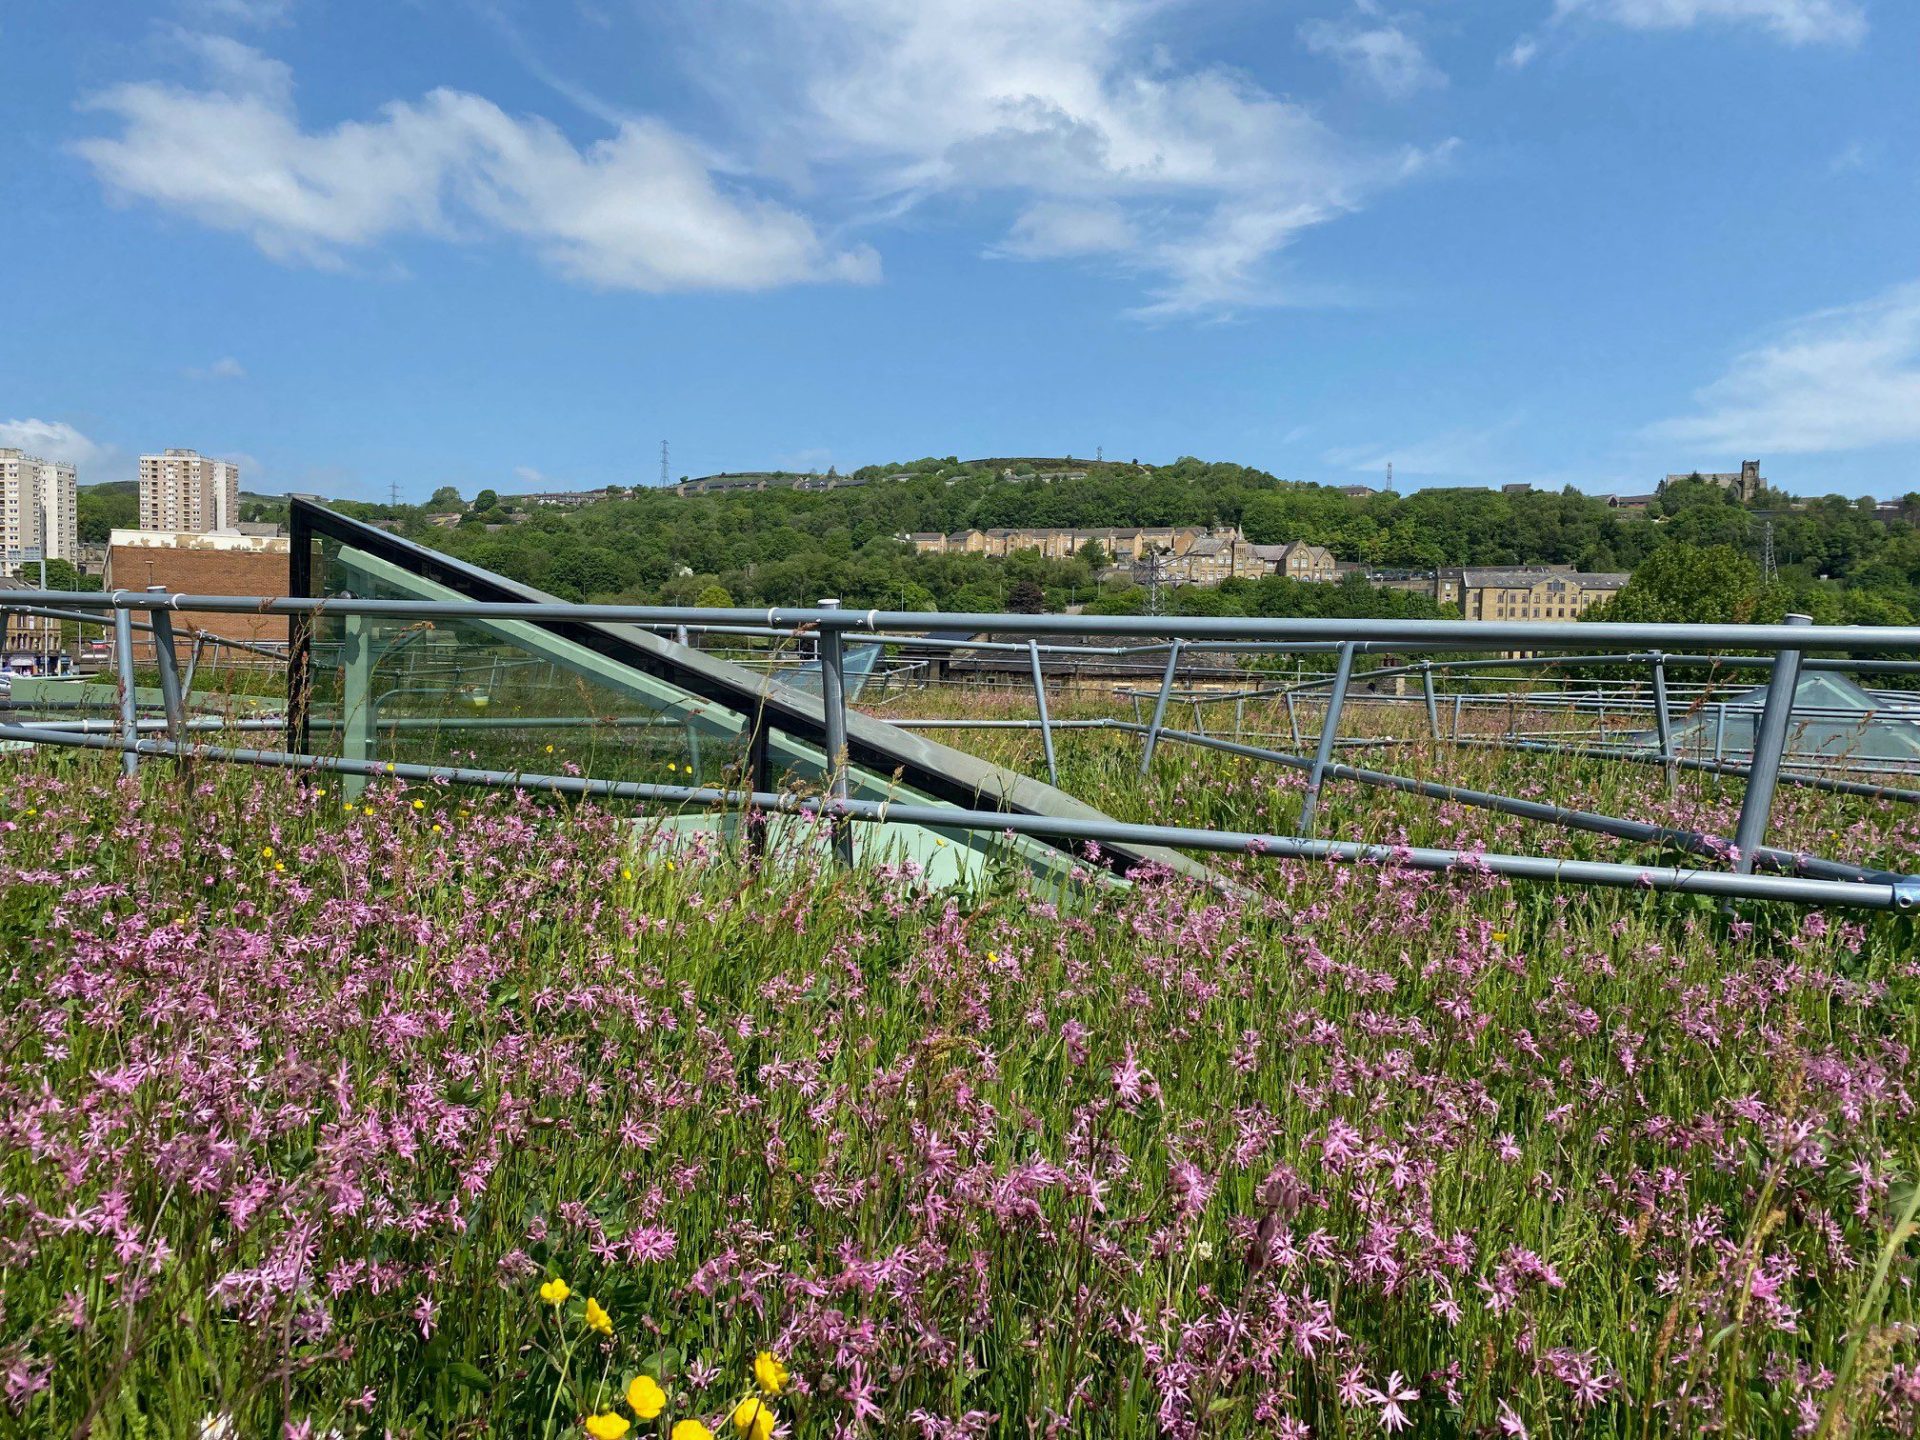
x,y
1758,871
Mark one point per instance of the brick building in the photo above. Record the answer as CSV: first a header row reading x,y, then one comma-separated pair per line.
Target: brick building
x,y
190,564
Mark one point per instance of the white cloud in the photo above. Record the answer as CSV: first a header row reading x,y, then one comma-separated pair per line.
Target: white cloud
x,y
642,209
1797,22
1524,50
1381,53
53,440
244,12
530,475
1843,379
225,368
1199,175
1055,229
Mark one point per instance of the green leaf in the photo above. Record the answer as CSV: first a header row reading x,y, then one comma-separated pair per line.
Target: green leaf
x,y
661,1363
471,1376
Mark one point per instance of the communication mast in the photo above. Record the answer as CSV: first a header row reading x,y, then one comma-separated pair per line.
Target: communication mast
x,y
1769,572
664,472
1389,477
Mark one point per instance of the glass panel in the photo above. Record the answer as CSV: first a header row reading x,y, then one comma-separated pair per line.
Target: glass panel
x,y
499,694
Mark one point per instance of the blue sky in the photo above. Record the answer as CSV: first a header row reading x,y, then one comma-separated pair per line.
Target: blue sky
x,y
505,243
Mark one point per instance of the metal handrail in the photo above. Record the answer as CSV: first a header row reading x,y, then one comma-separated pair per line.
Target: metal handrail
x,y
1654,645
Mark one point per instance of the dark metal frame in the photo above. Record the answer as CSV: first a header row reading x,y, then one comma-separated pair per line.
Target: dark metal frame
x,y
757,702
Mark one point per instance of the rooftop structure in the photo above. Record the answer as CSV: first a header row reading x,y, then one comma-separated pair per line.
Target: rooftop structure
x,y
194,563
38,510
183,490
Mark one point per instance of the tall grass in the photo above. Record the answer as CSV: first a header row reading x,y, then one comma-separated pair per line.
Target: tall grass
x,y
302,1105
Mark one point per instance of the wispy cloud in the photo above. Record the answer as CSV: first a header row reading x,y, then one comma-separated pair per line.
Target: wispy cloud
x,y
1196,178
1842,379
642,209
1797,22
53,440
1377,51
225,368
1522,53
258,13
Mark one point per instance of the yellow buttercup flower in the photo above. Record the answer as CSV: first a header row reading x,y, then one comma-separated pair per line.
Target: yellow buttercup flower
x,y
625,873
419,804
610,1426
597,1318
266,852
769,1373
753,1417
555,1291
549,749
691,1430
645,1397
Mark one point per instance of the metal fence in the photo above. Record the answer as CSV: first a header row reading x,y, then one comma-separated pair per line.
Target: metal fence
x,y
1432,665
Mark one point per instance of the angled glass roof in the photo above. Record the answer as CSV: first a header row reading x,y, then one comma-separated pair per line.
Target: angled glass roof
x,y
617,702
1834,721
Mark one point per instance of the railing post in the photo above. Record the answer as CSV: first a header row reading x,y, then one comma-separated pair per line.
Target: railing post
x,y
356,699
1293,718
1433,701
129,708
167,659
833,694
1769,745
1329,728
1719,731
1663,720
759,781
1160,708
1459,703
1040,699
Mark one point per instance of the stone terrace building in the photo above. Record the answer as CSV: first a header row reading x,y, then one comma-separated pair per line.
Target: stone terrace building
x,y
1188,554
1122,543
1550,592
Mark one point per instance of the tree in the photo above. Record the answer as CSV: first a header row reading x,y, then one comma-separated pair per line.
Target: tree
x,y
446,498
713,597
486,500
61,575
1685,584
1025,597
